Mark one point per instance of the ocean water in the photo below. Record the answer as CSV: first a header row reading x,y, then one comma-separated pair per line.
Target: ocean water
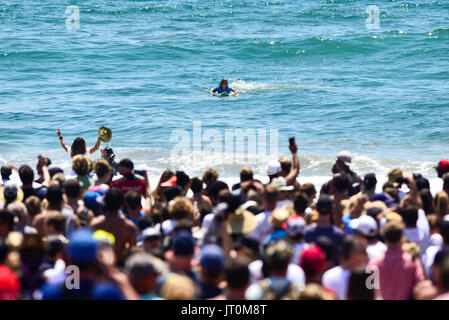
x,y
310,69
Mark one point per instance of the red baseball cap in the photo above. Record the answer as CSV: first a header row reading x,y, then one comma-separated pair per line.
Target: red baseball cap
x,y
312,259
170,182
443,166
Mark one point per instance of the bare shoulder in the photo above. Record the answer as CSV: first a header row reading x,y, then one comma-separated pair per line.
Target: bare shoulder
x,y
97,221
129,225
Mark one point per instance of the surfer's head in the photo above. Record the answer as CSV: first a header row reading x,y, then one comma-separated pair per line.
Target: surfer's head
x,y
224,83
78,146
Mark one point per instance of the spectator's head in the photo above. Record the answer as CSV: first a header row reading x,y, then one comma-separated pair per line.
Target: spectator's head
x,y
72,189
19,210
353,253
444,230
183,180
247,247
393,231
344,160
309,189
312,261
125,167
369,183
427,201
341,182
11,192
270,196
113,200
278,256
286,166
246,174
143,270
6,171
365,226
442,167
300,203
181,208
409,215
212,259
210,176
183,244
33,205
395,177
133,200
237,274
314,291
82,248
55,223
324,205
26,175
446,182
178,287
80,164
326,244
273,169
103,170
55,196
214,189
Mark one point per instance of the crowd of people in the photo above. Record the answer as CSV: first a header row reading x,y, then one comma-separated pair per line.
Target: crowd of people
x,y
102,232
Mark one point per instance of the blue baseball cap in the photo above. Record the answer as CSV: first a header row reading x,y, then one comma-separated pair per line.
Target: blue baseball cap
x,y
212,258
92,199
183,243
83,246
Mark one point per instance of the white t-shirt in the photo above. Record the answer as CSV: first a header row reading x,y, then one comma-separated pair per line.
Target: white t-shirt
x,y
337,279
263,228
294,273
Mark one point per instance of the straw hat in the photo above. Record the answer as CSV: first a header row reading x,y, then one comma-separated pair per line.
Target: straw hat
x,y
241,222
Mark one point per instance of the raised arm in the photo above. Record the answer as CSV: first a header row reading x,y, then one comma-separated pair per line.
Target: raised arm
x,y
97,144
147,208
291,177
235,91
61,140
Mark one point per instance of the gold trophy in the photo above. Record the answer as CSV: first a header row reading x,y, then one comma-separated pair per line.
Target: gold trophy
x,y
105,134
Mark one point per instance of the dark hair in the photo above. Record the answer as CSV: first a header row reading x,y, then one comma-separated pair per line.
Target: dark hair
x,y
215,188
182,179
341,182
54,194
6,171
7,217
78,147
144,222
196,184
427,201
246,174
301,202
127,163
444,230
133,199
370,181
393,235
446,182
237,272
57,221
409,214
113,200
222,81
357,288
172,192
72,188
26,174
350,245
324,204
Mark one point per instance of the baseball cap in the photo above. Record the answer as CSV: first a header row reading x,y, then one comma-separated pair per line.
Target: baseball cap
x,y
212,258
92,199
365,225
295,227
281,182
150,232
345,157
312,259
11,191
83,246
273,168
183,244
443,166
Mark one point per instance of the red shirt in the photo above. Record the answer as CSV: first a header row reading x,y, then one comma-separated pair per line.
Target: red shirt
x,y
9,284
130,182
399,273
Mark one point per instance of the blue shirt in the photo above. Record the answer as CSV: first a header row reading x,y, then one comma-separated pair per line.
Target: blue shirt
x,y
219,89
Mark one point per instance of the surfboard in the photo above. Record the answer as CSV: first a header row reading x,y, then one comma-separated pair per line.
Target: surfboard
x,y
223,94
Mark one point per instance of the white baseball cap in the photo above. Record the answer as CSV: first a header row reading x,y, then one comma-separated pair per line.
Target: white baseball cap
x,y
365,225
273,167
345,157
295,227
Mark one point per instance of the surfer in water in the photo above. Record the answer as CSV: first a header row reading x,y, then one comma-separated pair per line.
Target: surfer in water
x,y
223,87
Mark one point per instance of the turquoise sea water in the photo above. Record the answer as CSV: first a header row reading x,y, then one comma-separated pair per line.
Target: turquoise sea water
x,y
310,69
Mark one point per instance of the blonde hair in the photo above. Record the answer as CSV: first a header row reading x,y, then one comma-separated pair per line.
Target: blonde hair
x,y
441,203
33,205
210,176
178,287
286,164
101,168
181,208
80,164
